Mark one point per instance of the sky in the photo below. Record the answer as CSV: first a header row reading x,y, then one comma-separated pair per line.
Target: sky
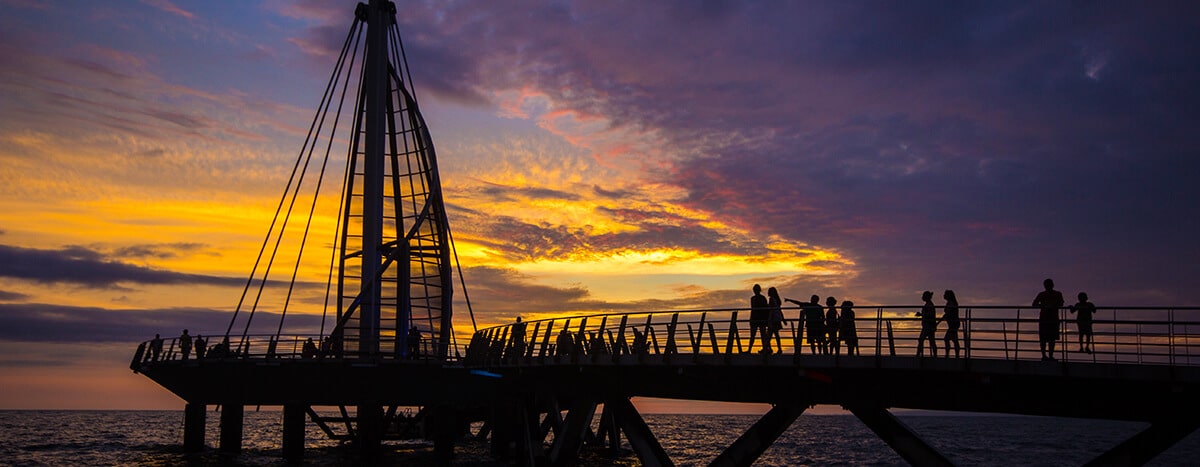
x,y
598,156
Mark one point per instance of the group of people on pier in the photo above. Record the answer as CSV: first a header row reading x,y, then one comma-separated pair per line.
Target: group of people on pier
x,y
827,327
187,343
1049,302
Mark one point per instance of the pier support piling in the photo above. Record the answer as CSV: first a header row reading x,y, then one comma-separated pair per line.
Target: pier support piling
x,y
231,428
896,434
370,430
193,427
1147,444
759,437
293,431
565,450
638,433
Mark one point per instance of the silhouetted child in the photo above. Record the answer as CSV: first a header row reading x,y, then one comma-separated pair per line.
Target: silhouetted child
x,y
950,316
848,332
1084,320
928,316
1050,301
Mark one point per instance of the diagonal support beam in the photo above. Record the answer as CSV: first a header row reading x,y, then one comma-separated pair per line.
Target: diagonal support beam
x,y
639,435
755,441
565,450
1147,444
900,437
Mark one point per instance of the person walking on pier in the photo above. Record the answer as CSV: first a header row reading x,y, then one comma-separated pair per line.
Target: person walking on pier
x,y
775,319
848,332
760,312
185,344
1050,301
200,346
1084,320
413,340
155,348
310,348
950,316
831,326
565,344
928,316
516,346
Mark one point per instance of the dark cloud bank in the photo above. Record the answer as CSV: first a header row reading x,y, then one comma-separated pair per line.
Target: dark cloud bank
x,y
90,268
981,147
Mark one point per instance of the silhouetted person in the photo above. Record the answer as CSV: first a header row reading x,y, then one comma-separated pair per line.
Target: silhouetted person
x,y
516,347
565,344
599,346
413,342
849,332
335,343
1050,301
760,312
640,345
1084,320
928,316
155,348
200,346
950,316
814,320
310,349
775,320
185,345
831,326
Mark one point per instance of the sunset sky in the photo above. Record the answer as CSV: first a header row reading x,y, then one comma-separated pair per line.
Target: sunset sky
x,y
598,156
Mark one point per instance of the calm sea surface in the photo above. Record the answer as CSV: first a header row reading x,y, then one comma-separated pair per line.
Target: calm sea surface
x,y
155,438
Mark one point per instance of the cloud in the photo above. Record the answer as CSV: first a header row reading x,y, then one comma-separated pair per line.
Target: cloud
x,y
9,296
161,250
167,6
928,144
89,268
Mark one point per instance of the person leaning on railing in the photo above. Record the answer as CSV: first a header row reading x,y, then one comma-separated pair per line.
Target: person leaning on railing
x,y
1050,301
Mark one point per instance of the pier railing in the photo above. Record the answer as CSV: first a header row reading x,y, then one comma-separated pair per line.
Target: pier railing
x,y
1120,335
278,347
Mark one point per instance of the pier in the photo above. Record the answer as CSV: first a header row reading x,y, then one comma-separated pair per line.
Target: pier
x,y
539,401
534,389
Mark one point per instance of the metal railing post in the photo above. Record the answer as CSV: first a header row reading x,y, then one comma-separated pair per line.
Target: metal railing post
x,y
891,340
967,333
879,332
1017,336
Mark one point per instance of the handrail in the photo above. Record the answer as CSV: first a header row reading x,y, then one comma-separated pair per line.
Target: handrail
x,y
1121,335
270,347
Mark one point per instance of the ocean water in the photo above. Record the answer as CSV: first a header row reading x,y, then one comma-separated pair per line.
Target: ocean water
x,y
155,438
